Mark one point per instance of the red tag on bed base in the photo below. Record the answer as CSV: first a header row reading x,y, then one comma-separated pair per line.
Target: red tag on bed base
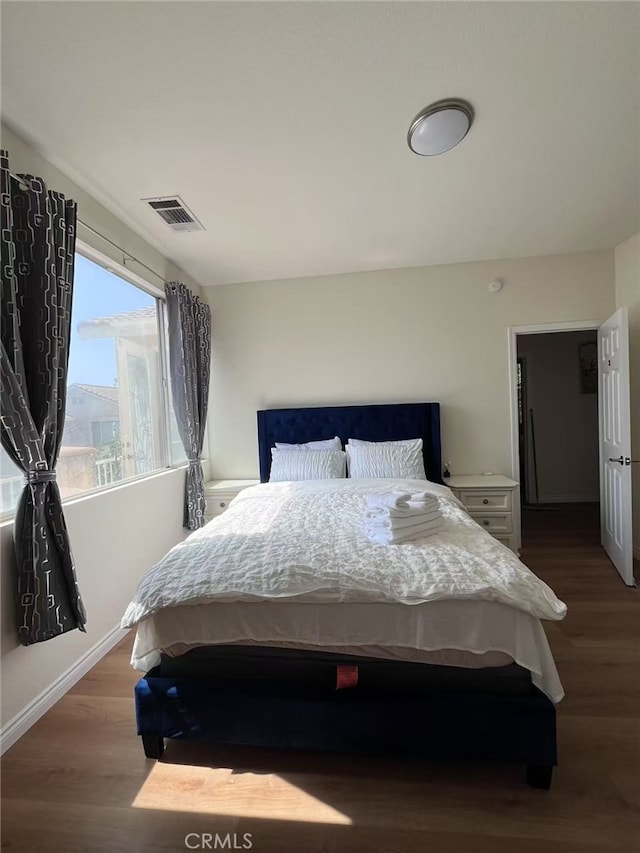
x,y
346,676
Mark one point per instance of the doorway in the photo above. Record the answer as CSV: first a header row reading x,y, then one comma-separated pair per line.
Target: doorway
x,y
555,429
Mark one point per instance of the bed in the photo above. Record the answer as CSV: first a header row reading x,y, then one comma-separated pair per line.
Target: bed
x,y
434,651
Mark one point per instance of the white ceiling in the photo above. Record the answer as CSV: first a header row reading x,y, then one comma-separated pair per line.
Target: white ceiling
x,y
283,126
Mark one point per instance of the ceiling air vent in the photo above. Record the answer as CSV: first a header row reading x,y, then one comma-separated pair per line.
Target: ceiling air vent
x,y
174,213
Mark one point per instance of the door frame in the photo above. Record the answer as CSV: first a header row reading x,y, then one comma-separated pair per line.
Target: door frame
x,y
523,471
512,335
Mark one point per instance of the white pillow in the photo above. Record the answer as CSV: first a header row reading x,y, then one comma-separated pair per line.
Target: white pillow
x,y
292,464
406,442
386,459
326,444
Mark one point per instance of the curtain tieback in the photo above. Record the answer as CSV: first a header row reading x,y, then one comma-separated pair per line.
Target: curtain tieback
x,y
193,462
35,477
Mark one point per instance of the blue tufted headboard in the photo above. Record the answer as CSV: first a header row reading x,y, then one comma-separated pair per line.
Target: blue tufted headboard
x,y
390,422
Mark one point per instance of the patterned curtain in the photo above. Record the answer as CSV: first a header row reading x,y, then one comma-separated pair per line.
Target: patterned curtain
x,y
190,360
38,244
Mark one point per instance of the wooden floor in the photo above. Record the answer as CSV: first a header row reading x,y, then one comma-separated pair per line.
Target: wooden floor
x,y
78,780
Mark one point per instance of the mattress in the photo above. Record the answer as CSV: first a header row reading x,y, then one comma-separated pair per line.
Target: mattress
x,y
466,634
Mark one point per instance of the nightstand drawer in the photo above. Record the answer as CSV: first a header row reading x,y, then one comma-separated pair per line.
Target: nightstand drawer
x,y
497,523
488,498
219,493
217,504
488,501
509,542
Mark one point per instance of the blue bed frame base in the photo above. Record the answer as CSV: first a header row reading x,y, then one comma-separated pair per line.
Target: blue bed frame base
x,y
450,726
442,725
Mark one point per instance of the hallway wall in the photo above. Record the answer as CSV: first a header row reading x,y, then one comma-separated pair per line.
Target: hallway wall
x,y
566,420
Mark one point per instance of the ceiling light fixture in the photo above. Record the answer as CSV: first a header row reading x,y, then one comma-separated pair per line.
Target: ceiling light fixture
x,y
440,127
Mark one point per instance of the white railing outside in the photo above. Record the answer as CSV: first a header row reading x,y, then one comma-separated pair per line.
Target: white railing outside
x,y
107,471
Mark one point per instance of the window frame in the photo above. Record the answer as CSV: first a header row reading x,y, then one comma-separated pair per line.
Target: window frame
x,y
157,293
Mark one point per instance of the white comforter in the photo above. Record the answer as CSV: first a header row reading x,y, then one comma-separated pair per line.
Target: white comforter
x,y
305,541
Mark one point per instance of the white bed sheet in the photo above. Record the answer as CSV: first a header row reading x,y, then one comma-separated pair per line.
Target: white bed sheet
x,y
289,564
306,541
452,633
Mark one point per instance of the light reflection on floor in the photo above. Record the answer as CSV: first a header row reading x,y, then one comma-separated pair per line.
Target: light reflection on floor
x,y
220,791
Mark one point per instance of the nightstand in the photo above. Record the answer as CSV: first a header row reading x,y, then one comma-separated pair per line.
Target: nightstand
x,y
490,500
219,494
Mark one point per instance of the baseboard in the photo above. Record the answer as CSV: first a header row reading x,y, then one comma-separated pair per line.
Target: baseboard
x,y
29,715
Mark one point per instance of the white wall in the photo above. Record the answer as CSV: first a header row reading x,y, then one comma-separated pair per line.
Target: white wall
x,y
566,421
627,288
424,334
116,535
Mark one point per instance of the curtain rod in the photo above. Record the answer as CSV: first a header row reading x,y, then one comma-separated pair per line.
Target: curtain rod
x,y
126,256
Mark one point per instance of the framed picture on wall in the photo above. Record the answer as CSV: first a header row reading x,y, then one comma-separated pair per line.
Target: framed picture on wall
x,y
588,361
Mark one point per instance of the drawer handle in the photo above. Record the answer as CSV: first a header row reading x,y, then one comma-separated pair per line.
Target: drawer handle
x,y
222,503
486,522
485,500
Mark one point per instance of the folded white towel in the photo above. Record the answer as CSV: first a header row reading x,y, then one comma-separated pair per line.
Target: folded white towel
x,y
422,497
436,521
385,536
415,515
420,502
389,500
401,504
392,522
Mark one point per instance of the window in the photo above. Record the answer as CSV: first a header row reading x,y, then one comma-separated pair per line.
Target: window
x,y
11,483
119,421
104,432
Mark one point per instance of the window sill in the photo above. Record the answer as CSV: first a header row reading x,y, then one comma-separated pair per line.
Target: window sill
x,y
7,517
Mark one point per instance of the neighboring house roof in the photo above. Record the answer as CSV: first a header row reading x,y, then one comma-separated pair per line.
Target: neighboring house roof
x,y
104,392
137,321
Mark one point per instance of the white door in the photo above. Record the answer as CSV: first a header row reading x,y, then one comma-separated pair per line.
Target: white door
x,y
615,443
